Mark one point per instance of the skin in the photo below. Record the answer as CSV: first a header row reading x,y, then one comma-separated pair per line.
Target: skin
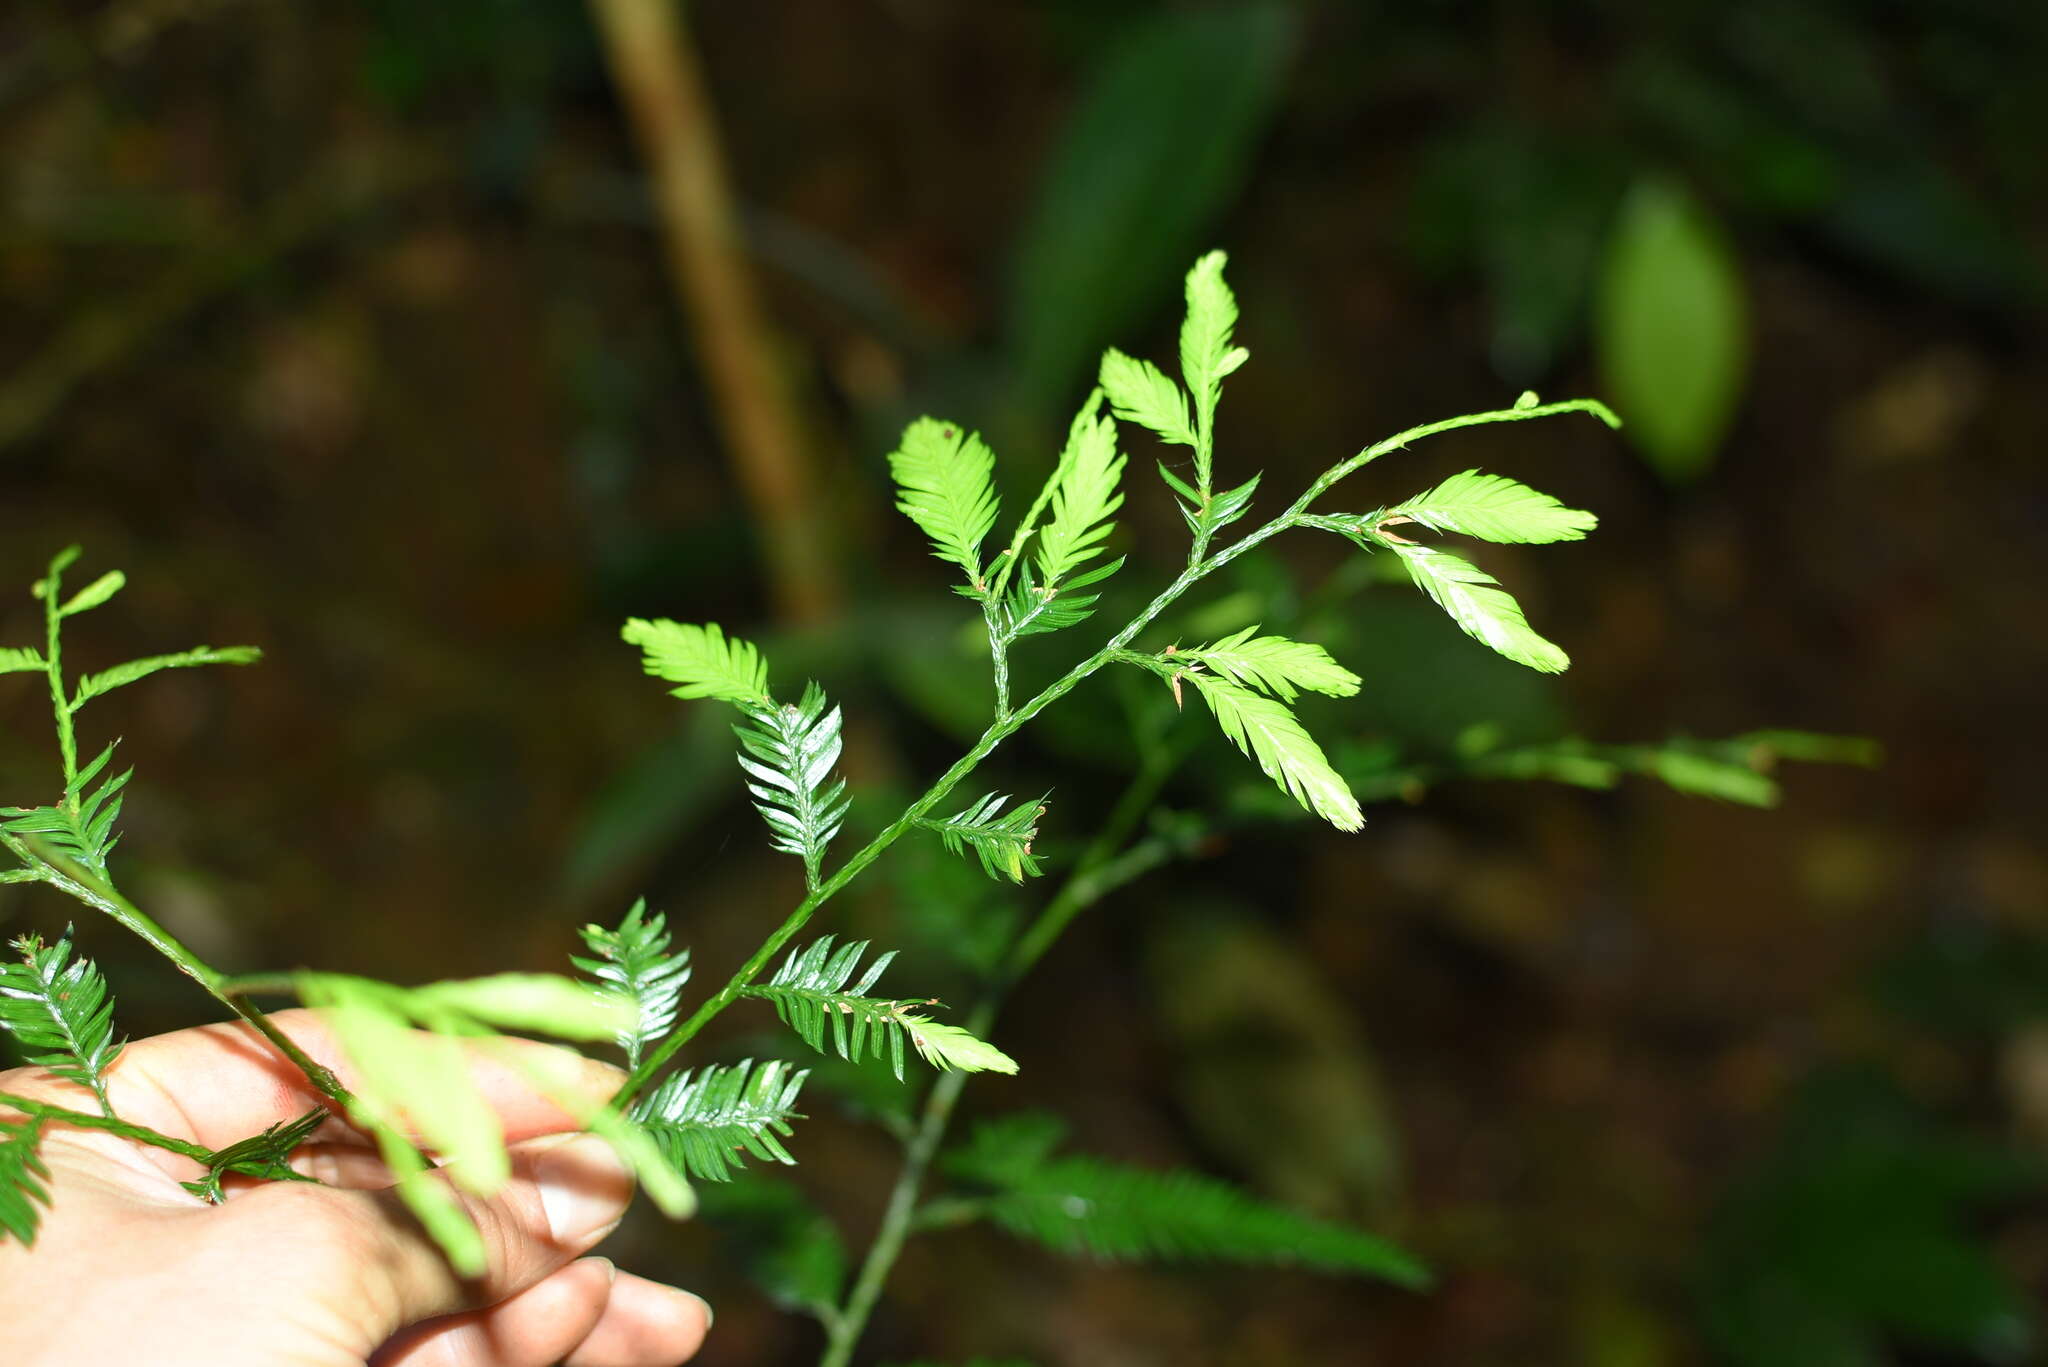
x,y
129,1267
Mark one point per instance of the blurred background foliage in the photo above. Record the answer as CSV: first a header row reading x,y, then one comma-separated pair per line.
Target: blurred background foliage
x,y
346,330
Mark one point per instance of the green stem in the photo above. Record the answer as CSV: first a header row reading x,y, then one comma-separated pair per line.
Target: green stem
x,y
69,877
67,740
1084,886
85,1120
1053,692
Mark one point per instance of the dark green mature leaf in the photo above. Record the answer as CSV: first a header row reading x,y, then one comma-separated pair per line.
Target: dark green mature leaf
x,y
1672,329
810,992
92,685
793,748
705,1121
1088,1206
23,1178
1157,145
635,962
81,826
266,1156
1001,839
58,1010
945,484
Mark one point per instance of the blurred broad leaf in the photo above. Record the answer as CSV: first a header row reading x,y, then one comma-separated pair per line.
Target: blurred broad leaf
x,y
1157,145
1672,330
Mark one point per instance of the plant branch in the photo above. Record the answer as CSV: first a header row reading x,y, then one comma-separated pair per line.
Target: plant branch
x,y
1052,693
86,1120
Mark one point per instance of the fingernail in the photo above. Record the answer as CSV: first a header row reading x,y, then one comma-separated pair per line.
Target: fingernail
x,y
583,1188
709,1315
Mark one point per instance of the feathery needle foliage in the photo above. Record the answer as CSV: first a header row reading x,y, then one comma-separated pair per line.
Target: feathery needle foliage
x,y
1482,609
24,1178
81,826
944,479
1264,729
788,753
810,992
58,1010
634,961
705,1122
1002,840
1492,508
700,661
266,1156
1273,664
1081,1205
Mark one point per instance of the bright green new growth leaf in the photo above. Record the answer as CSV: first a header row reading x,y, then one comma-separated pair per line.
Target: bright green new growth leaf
x,y
58,1010
1085,499
1493,508
24,1178
793,748
1142,393
944,478
81,826
1001,839
1088,1206
634,962
1274,665
92,685
543,1003
1206,355
1264,729
94,594
810,991
701,660
1481,608
1671,326
703,1121
20,660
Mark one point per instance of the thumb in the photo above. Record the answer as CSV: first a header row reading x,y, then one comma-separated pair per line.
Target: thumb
x,y
378,1271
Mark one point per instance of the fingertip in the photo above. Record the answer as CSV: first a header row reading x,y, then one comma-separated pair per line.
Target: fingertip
x,y
644,1321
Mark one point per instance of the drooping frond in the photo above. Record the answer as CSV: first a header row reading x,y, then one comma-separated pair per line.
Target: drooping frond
x,y
106,681
810,993
58,1010
788,753
705,1121
1142,393
1092,1207
23,1178
1206,355
1493,508
266,1156
701,660
1086,497
1481,608
81,826
635,962
20,660
1001,839
1274,665
1264,729
944,481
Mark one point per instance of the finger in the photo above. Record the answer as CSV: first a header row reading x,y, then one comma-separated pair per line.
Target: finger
x,y
216,1084
374,1269
645,1324
535,1328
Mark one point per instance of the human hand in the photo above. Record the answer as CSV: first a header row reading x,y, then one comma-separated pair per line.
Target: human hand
x,y
130,1268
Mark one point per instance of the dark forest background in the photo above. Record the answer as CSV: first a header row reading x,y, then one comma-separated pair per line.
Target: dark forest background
x,y
347,331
